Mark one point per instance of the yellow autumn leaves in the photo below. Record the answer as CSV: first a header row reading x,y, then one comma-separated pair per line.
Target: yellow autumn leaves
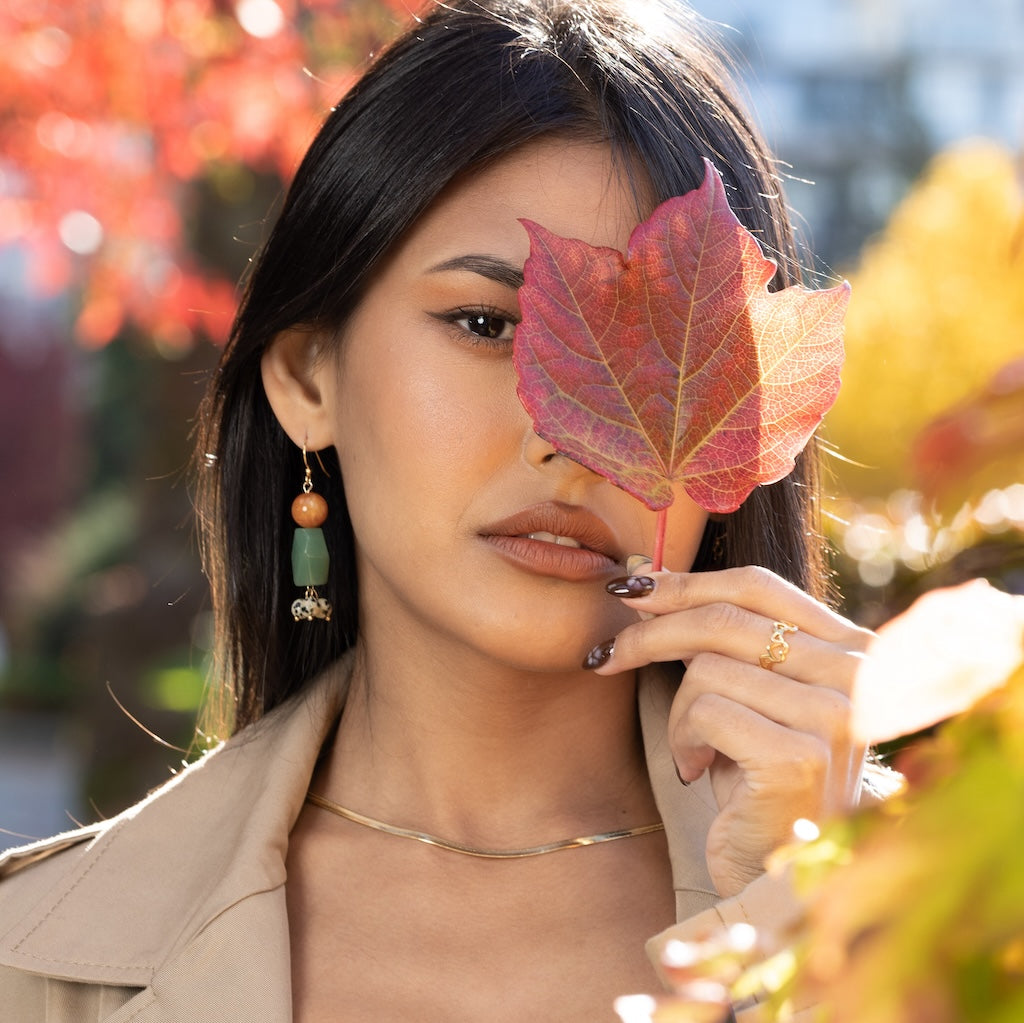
x,y
937,309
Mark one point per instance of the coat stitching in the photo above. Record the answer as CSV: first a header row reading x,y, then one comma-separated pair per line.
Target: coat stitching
x,y
17,947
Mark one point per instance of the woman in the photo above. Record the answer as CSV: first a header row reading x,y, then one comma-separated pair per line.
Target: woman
x,y
466,686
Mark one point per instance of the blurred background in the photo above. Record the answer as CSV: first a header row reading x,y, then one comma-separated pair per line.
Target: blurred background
x,y
143,146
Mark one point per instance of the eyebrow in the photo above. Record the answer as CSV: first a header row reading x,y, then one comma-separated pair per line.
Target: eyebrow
x,y
491,267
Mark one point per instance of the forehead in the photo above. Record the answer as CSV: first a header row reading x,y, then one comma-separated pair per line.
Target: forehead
x,y
575,189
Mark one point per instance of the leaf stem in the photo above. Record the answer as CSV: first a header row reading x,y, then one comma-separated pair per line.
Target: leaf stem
x,y
659,539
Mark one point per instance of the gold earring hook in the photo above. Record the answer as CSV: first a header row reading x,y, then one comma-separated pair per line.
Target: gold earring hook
x,y
307,483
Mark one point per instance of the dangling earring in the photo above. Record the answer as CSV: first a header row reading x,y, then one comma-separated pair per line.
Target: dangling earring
x,y
310,560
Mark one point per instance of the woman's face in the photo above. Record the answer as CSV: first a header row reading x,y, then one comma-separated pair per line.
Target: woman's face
x,y
471,532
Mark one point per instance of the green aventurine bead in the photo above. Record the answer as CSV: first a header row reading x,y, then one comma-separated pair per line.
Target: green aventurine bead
x,y
310,560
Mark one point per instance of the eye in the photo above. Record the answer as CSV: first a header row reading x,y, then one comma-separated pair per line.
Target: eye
x,y
488,325
482,326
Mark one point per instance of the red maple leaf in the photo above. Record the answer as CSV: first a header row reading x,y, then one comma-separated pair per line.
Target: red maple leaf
x,y
675,364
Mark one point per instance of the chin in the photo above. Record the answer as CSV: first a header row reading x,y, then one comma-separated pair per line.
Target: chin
x,y
554,663
552,644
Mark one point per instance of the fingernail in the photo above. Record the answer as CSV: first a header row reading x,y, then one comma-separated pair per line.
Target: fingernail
x,y
634,561
631,586
682,780
599,655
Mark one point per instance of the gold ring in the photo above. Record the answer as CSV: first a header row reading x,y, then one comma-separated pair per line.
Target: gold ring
x,y
777,649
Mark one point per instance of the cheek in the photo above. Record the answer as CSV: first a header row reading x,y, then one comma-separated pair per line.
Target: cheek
x,y
417,430
637,526
685,528
684,535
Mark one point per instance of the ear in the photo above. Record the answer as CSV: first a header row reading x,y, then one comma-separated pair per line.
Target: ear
x,y
293,367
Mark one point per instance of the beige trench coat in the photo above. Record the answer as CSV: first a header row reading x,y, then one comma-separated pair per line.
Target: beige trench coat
x,y
174,911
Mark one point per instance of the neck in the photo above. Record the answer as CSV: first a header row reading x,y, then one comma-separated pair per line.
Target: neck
x,y
487,755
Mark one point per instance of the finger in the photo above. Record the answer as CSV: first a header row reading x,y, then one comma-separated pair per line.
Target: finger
x,y
818,711
751,587
731,631
638,564
769,755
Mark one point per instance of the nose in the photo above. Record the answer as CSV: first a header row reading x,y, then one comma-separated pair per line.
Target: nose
x,y
536,450
539,453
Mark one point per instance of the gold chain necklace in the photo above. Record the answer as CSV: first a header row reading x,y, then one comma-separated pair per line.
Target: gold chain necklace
x,y
466,850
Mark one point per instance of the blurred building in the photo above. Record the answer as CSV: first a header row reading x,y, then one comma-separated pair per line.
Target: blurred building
x,y
855,95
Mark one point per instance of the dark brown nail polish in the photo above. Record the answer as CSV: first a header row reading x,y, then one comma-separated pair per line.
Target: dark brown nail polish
x,y
631,586
599,655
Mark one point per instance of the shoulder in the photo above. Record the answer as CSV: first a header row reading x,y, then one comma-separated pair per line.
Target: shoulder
x,y
49,859
27,877
114,903
281,745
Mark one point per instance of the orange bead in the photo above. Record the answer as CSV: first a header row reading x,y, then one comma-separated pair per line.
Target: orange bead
x,y
309,510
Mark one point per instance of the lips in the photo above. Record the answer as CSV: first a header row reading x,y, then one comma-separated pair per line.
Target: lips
x,y
556,539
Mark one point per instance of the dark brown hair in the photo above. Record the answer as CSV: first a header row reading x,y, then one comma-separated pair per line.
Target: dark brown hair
x,y
470,81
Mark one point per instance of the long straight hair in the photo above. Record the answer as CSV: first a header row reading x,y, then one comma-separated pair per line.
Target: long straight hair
x,y
469,82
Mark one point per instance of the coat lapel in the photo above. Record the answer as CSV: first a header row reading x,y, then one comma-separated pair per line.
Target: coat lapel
x,y
687,811
183,893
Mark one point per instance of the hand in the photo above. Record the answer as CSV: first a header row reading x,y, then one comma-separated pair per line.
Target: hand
x,y
776,741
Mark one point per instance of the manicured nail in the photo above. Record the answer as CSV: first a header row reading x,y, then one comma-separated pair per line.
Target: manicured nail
x,y
599,655
631,586
682,780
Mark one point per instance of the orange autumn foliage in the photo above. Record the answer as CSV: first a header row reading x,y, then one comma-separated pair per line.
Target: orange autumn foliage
x,y
111,110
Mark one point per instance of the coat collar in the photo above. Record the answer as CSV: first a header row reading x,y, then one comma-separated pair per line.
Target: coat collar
x,y
148,881
687,811
154,875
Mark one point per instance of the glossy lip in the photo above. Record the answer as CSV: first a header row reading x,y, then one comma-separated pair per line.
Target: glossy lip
x,y
598,555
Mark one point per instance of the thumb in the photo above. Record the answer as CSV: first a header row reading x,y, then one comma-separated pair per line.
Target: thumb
x,y
638,564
